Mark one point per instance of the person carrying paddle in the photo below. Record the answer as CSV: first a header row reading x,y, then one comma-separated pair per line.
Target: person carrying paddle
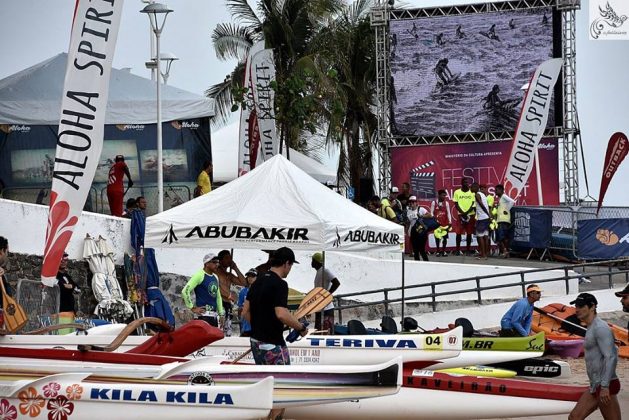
x,y
225,280
4,259
601,357
208,305
517,321
326,279
266,308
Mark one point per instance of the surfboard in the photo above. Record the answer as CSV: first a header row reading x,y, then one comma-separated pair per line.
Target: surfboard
x,y
481,371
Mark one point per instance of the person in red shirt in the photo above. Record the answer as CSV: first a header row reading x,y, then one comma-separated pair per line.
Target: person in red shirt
x,y
115,187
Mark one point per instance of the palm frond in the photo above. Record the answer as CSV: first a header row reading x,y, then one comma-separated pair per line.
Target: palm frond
x,y
232,41
242,12
222,95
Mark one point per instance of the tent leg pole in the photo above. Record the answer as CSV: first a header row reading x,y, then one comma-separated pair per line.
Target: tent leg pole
x,y
403,286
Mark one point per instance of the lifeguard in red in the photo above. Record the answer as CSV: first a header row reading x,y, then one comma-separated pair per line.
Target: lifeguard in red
x,y
115,187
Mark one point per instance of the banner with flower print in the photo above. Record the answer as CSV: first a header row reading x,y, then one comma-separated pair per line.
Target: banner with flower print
x,y
81,126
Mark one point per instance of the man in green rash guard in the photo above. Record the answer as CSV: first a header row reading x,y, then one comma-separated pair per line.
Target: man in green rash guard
x,y
208,305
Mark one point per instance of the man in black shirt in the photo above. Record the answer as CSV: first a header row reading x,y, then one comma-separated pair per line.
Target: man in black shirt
x,y
266,308
67,287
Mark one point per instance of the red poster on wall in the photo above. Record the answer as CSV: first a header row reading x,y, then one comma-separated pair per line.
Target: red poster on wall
x,y
431,168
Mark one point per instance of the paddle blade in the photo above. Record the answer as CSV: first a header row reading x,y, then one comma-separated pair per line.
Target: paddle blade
x,y
316,300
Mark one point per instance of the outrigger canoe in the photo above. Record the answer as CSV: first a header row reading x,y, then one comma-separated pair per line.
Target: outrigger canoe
x,y
433,395
351,350
70,395
294,384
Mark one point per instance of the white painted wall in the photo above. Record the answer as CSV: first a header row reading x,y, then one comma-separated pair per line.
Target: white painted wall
x,y
25,227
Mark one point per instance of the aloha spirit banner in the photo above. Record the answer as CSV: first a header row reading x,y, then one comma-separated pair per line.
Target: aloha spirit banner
x,y
249,133
262,75
531,126
81,126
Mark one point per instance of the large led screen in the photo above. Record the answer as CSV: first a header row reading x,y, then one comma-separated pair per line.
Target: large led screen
x,y
465,73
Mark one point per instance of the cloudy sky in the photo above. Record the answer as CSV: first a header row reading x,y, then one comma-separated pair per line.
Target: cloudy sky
x,y
35,30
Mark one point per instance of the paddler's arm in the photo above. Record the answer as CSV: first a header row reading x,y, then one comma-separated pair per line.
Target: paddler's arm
x,y
246,311
519,318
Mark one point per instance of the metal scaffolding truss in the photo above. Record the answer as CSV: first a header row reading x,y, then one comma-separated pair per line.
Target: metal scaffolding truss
x,y
382,13
571,135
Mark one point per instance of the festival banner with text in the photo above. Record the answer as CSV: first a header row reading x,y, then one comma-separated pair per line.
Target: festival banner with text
x,y
531,125
432,168
262,75
617,150
249,135
81,126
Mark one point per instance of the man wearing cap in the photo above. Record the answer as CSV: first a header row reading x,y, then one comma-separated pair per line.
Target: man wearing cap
x,y
517,321
115,187
601,358
266,308
624,298
67,287
245,326
326,279
208,305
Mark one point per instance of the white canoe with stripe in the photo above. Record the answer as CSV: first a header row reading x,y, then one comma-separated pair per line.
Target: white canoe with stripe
x,y
68,396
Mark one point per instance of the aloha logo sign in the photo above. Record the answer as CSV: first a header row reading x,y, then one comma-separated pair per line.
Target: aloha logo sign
x,y
607,20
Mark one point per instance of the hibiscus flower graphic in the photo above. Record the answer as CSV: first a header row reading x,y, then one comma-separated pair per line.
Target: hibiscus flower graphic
x,y
31,402
60,408
52,389
7,411
74,392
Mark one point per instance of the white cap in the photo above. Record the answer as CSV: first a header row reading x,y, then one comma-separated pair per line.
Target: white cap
x,y
209,257
412,198
395,190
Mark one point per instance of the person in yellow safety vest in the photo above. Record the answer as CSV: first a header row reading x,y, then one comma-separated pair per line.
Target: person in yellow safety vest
x,y
386,211
492,215
503,218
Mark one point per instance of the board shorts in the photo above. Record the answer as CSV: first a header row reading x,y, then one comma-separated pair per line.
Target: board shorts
x,y
482,227
614,388
461,228
269,354
502,232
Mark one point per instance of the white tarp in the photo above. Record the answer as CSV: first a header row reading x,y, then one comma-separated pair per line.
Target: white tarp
x,y
276,204
33,97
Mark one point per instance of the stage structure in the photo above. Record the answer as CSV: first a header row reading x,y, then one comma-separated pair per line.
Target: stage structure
x,y
454,75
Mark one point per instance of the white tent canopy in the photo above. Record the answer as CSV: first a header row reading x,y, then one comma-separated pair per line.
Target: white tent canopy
x,y
33,96
277,204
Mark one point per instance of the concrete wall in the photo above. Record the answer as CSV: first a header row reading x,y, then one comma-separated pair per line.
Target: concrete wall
x,y
25,227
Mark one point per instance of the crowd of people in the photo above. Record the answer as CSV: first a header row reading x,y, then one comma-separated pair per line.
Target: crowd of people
x,y
471,210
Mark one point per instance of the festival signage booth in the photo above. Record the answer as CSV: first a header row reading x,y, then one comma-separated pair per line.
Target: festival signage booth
x,y
30,104
275,205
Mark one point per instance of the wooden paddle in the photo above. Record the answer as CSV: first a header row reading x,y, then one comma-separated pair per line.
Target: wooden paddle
x,y
126,332
316,300
14,316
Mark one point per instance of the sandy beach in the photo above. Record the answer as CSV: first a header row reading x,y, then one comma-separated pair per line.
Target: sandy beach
x,y
579,376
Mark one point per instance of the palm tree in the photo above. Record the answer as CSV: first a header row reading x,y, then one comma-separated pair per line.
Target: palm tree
x,y
287,26
347,45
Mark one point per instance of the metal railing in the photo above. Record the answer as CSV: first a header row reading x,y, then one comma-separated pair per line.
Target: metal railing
x,y
40,194
340,306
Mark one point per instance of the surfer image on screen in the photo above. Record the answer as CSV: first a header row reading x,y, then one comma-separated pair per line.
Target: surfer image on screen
x,y
601,357
517,321
442,71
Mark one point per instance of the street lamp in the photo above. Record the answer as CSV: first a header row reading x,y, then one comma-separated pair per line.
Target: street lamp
x,y
167,59
157,14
